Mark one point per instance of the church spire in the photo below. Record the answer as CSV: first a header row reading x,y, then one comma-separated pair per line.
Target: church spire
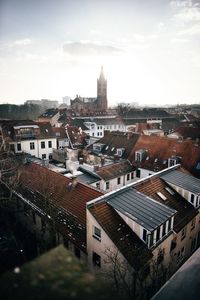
x,y
102,91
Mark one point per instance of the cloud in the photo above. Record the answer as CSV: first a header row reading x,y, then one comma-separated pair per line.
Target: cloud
x,y
178,41
87,48
192,30
23,42
186,11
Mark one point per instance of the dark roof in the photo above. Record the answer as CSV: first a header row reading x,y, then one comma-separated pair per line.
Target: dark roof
x,y
146,114
115,170
57,188
142,209
185,211
183,180
107,121
45,130
87,178
114,140
49,113
78,123
128,243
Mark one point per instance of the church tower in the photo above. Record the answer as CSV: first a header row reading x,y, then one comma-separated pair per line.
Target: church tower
x,y
102,92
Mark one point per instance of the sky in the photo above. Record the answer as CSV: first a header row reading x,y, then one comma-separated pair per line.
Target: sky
x,y
150,50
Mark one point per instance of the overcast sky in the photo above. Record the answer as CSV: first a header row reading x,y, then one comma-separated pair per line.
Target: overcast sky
x,y
150,50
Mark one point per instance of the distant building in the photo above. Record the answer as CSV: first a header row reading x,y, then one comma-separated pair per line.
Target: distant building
x,y
46,103
93,104
66,100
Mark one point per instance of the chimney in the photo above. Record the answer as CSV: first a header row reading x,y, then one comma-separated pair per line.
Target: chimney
x,y
74,181
72,184
96,168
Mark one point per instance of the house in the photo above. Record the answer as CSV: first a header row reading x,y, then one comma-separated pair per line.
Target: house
x,y
115,145
50,115
34,138
146,226
109,177
157,118
152,153
46,201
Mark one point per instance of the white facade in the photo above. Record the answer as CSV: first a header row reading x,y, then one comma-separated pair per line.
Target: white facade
x,y
97,131
41,148
115,183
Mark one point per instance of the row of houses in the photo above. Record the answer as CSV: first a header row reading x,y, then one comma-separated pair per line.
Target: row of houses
x,y
152,222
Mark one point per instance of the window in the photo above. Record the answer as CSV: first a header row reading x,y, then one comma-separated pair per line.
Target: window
x,y
169,190
50,156
183,233
164,229
193,224
138,156
132,175
107,185
160,256
173,244
96,259
138,173
44,156
32,145
193,245
192,198
169,225
180,255
161,196
98,185
43,145
144,235
158,234
128,177
19,147
118,180
77,252
50,144
97,233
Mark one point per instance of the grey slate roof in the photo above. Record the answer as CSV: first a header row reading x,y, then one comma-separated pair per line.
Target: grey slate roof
x,y
87,178
183,180
142,209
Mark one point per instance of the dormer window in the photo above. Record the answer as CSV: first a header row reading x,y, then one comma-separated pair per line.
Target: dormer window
x,y
120,151
172,161
139,155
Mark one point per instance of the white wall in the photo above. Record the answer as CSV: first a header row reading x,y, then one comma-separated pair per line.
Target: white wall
x,y
38,151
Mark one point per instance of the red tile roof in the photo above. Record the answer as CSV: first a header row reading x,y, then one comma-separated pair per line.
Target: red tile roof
x,y
56,188
128,243
162,148
188,132
60,132
115,170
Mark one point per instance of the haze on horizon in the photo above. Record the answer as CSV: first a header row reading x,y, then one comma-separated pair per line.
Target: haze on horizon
x,y
150,50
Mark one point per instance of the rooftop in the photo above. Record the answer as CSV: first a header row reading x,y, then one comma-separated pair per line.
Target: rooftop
x,y
142,209
129,244
159,190
183,180
115,170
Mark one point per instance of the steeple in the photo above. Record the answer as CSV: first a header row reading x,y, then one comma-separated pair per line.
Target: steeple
x,y
102,91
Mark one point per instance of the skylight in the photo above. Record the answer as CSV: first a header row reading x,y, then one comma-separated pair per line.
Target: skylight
x,y
161,196
113,148
169,190
107,147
